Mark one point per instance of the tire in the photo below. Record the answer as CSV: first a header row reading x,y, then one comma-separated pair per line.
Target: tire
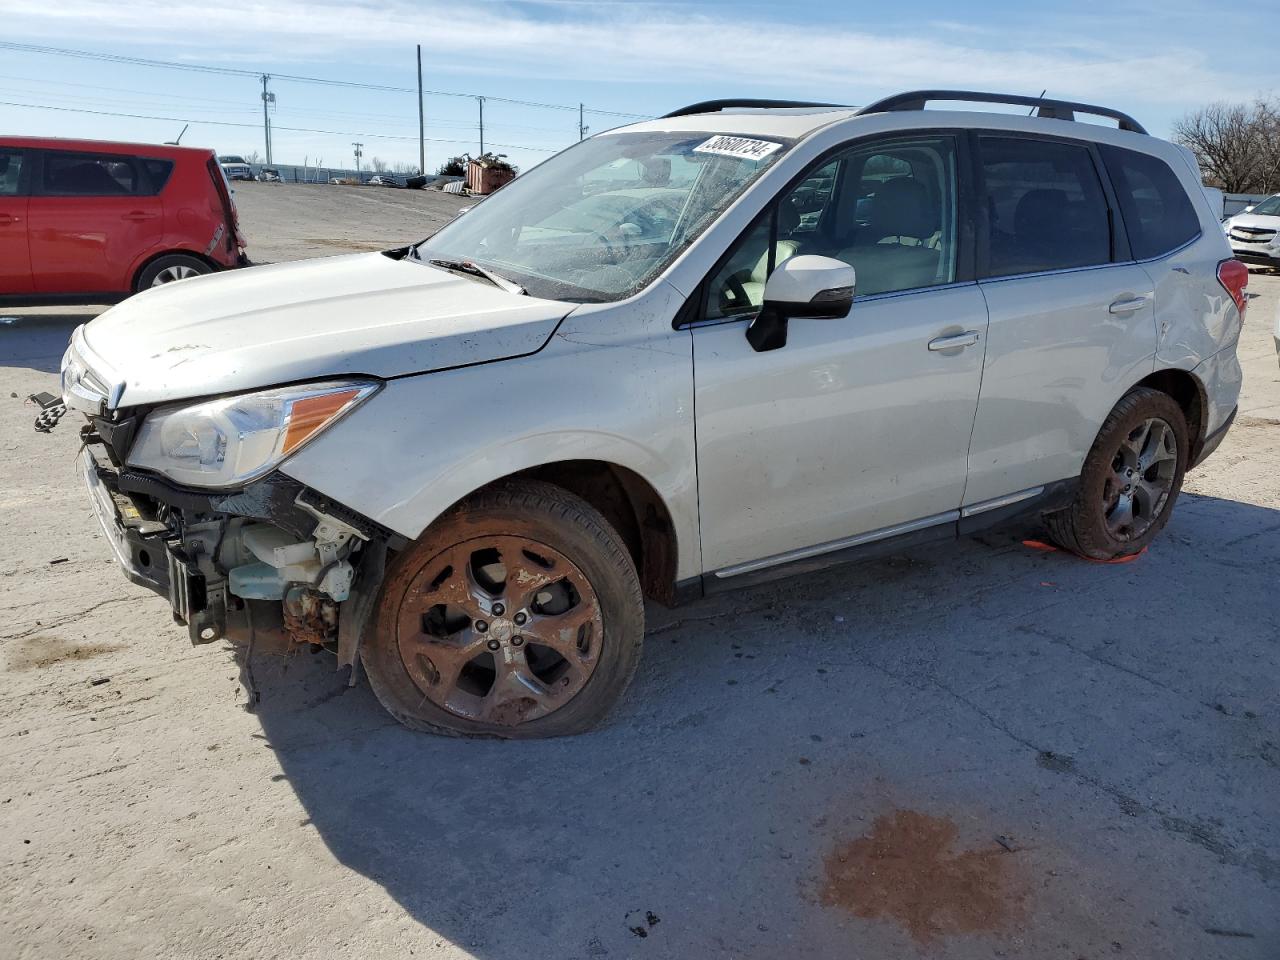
x,y
516,615
166,269
1094,525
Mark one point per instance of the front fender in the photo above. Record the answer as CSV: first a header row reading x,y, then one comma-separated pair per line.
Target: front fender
x,y
426,442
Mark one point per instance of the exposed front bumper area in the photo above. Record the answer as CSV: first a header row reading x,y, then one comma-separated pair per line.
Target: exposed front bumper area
x,y
141,559
272,563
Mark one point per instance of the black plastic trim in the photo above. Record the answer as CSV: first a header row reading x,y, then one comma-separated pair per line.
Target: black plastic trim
x,y
1046,107
746,103
1209,444
1054,496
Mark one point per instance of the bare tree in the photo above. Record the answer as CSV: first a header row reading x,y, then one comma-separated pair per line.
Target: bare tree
x,y
253,157
1237,145
405,169
378,165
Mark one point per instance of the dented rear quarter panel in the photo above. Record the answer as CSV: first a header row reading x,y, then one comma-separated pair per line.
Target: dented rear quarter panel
x,y
1197,323
614,384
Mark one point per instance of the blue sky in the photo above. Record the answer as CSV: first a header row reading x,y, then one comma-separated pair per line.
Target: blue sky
x,y
1155,60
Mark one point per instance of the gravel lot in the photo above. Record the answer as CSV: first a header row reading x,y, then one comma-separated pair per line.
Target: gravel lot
x,y
1065,759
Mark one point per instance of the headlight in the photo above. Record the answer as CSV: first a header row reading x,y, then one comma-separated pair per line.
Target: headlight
x,y
227,442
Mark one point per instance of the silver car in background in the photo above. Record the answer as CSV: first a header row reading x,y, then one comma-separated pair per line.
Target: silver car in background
x,y
742,341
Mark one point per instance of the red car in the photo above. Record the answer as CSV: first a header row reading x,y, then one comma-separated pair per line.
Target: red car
x,y
84,221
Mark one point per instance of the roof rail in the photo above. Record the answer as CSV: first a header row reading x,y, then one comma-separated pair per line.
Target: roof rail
x,y
1045,107
715,106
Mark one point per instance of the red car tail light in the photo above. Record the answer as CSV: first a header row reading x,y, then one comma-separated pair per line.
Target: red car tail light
x,y
1234,277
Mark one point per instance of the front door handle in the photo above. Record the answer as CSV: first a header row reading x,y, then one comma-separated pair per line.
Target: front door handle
x,y
956,341
138,215
1129,304
7,218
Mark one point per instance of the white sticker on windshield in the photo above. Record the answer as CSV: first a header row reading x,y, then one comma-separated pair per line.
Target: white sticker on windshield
x,y
741,147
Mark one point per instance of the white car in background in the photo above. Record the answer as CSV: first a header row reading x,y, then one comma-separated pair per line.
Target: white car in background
x,y
1254,233
235,168
742,341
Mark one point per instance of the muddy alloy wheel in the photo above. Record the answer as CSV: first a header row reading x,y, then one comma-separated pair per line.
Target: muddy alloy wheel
x,y
516,615
500,630
1142,474
1130,480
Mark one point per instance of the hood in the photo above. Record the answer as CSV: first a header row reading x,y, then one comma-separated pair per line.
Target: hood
x,y
1255,220
335,316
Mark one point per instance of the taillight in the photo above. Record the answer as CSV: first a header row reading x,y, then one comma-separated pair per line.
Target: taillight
x,y
1234,277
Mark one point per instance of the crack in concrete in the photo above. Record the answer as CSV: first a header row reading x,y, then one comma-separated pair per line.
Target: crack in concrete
x,y
63,621
1265,866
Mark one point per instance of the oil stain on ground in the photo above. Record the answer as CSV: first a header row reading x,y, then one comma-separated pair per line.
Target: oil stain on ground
x,y
907,870
37,652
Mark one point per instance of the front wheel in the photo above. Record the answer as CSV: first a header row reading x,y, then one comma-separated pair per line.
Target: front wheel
x,y
1131,478
517,614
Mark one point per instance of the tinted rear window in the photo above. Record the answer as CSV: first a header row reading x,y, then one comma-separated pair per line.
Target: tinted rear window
x,y
1046,206
1157,213
89,175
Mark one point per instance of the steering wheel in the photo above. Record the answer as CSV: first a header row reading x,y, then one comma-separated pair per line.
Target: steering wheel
x,y
610,250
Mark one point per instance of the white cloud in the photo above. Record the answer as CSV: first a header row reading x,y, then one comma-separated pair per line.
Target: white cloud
x,y
644,43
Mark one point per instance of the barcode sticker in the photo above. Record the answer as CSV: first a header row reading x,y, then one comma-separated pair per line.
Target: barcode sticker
x,y
741,147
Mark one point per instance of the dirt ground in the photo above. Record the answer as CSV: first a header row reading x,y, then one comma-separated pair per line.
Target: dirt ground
x,y
972,751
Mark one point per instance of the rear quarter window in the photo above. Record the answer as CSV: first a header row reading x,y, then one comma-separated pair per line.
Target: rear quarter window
x,y
1157,212
158,173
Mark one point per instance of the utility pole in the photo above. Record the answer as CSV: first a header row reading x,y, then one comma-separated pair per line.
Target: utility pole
x,y
267,98
421,119
358,156
582,127
480,100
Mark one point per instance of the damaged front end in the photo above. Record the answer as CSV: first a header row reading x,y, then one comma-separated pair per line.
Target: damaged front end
x,y
242,551
274,564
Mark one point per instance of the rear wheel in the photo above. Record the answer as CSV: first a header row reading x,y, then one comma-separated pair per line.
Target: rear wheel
x,y
518,614
166,269
1131,478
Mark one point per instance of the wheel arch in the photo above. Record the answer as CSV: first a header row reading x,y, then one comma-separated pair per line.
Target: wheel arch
x,y
632,506
1189,393
151,258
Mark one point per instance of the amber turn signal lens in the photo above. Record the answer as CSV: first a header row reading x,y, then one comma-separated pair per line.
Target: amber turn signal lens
x,y
308,415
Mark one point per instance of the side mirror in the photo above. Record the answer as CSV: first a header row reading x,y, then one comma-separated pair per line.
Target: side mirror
x,y
804,286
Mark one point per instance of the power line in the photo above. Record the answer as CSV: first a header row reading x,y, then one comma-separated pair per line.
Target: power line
x,y
254,126
256,74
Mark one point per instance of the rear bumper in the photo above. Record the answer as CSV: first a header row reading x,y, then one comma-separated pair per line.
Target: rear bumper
x,y
1214,440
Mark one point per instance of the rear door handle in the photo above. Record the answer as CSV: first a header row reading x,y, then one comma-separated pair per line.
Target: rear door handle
x,y
138,215
1129,304
8,218
956,341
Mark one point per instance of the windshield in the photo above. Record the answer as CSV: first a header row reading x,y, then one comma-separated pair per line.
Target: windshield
x,y
599,221
1269,207
231,159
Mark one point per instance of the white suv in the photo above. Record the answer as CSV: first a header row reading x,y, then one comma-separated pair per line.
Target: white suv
x,y
744,340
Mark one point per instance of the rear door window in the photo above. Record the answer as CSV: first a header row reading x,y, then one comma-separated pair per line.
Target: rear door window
x,y
10,172
1157,213
1045,205
90,175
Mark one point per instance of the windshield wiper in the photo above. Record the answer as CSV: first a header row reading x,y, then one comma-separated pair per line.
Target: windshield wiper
x,y
475,270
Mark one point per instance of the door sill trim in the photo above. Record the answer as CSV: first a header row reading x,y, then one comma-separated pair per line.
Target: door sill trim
x,y
1007,500
831,546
